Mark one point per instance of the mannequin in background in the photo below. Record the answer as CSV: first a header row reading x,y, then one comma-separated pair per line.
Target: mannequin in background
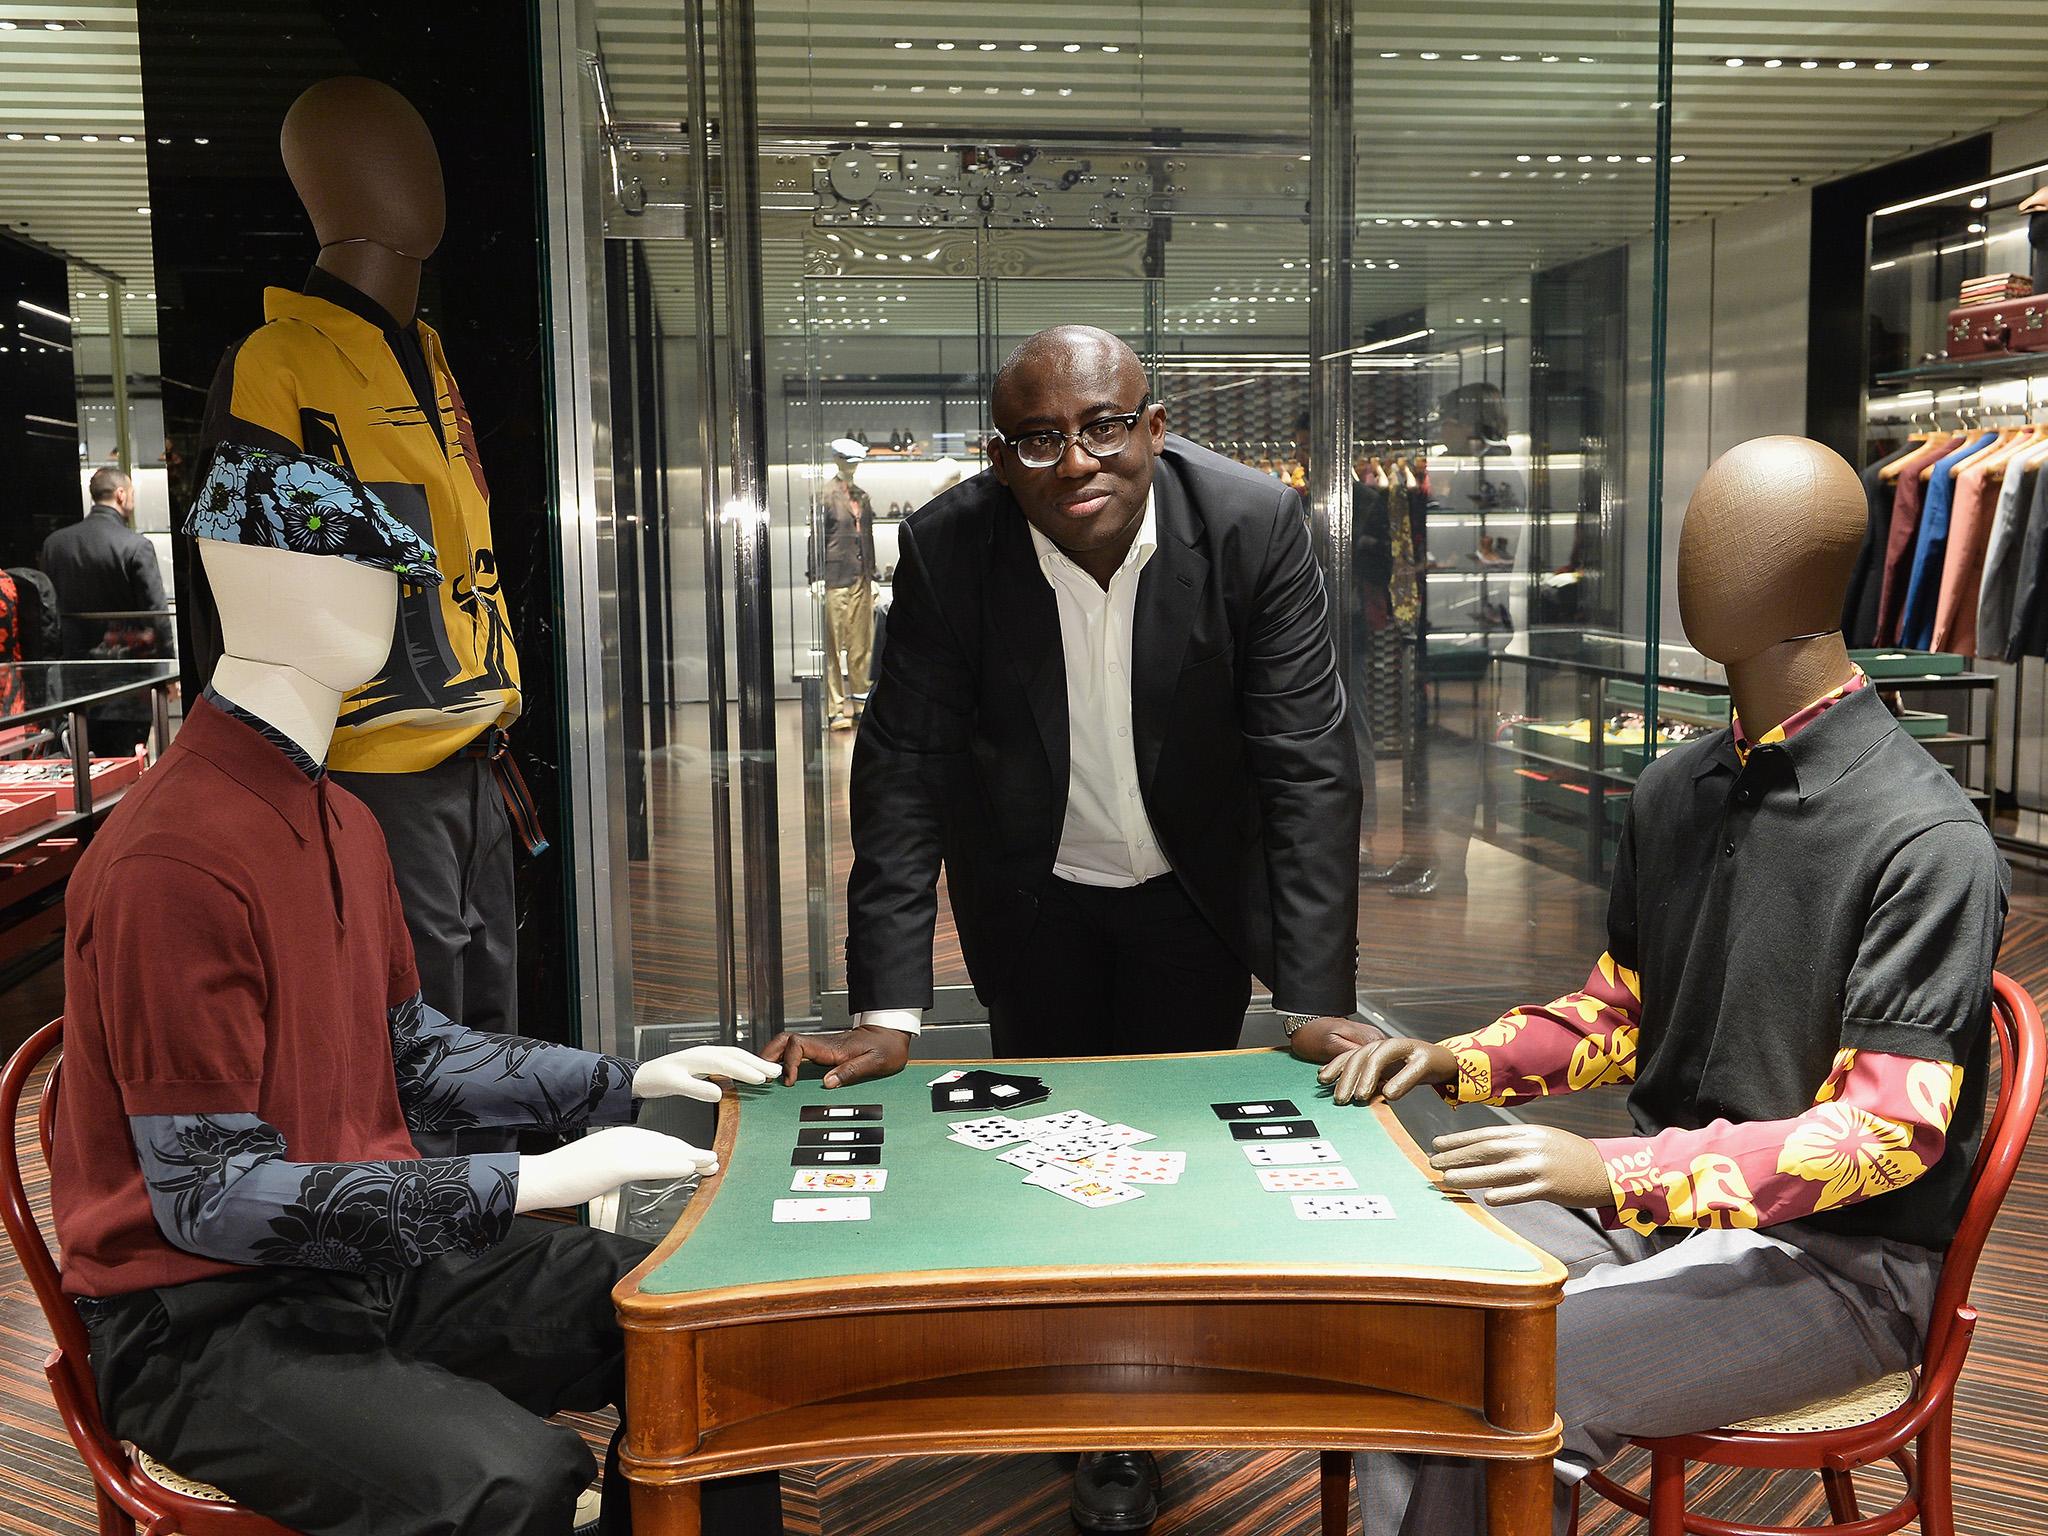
x,y
1797,985
845,568
263,1261
343,372
2035,207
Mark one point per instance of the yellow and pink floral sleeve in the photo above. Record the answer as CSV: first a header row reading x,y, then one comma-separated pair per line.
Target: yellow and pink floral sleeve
x,y
1586,1039
1878,1123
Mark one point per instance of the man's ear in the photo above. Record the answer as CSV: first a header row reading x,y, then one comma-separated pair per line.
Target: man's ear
x,y
1156,424
997,461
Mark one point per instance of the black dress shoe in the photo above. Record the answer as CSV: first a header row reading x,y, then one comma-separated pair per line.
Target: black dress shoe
x,y
1431,882
1400,872
1116,1491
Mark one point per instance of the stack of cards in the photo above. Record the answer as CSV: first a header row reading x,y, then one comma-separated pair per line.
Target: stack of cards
x,y
1291,1157
837,1161
1072,1153
983,1089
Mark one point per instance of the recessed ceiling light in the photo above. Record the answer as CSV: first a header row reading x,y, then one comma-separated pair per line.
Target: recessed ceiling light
x,y
1550,58
1735,63
1029,90
952,90
1111,48
1552,159
1642,159
901,43
14,138
88,138
1882,64
1678,159
1066,90
202,141
987,47
895,125
53,26
1507,222
8,26
127,138
1614,159
1774,63
1469,58
1923,64
947,47
1846,64
1522,159
142,210
1976,229
1070,48
858,123
1585,159
988,90
1809,63
1390,55
1027,47
917,90
1511,58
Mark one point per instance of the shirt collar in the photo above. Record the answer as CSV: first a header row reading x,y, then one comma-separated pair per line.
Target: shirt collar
x,y
242,753
295,754
1827,745
323,284
1797,721
361,341
1050,554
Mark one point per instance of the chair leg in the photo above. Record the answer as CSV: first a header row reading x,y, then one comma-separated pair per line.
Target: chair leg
x,y
114,1519
1571,1527
1667,1494
1937,1492
1336,1485
1841,1487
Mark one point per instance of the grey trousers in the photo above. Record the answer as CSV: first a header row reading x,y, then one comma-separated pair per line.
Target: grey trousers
x,y
451,851
1678,1333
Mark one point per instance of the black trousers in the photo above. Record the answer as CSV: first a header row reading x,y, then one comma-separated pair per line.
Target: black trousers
x,y
451,853
395,1405
1120,972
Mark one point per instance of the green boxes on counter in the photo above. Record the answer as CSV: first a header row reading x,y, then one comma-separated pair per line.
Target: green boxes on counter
x,y
1672,703
1896,663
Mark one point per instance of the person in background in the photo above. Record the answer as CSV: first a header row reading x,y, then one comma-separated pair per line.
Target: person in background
x,y
100,564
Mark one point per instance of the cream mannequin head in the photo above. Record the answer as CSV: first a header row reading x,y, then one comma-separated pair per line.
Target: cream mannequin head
x,y
298,632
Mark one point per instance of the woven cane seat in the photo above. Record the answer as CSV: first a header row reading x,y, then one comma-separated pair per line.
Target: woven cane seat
x,y
1865,1405
160,1474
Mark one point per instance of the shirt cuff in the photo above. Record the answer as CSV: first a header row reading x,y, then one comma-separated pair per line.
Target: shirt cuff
x,y
909,1020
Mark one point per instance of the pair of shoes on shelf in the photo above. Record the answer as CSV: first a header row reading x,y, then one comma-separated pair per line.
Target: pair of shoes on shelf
x,y
1116,1491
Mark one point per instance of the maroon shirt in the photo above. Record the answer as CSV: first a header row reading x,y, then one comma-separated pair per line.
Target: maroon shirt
x,y
234,945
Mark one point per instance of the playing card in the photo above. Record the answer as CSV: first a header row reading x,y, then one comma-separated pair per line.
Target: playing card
x,y
838,1181
988,1133
1086,1189
1058,1124
1075,1144
953,1076
1122,1135
828,1113
1129,1165
1289,1154
839,1136
1267,1110
835,1157
981,1088
852,1209
1027,1157
1287,1180
1342,1208
1274,1130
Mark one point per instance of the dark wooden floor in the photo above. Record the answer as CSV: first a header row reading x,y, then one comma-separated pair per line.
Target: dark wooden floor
x,y
1520,932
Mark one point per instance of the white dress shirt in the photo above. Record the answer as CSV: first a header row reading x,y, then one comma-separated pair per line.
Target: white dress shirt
x,y
1106,839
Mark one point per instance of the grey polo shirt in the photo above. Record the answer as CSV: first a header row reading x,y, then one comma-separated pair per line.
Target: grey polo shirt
x,y
1838,891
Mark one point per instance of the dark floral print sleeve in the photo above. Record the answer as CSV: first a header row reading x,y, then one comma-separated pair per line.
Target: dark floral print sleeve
x,y
222,1186
451,1078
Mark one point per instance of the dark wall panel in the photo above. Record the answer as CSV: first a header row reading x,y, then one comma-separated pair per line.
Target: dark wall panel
x,y
38,402
227,225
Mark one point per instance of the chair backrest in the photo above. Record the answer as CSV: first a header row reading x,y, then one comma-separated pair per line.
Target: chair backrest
x,y
69,1369
2009,1121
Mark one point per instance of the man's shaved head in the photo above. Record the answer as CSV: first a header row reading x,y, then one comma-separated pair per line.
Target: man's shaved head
x,y
1060,381
1071,351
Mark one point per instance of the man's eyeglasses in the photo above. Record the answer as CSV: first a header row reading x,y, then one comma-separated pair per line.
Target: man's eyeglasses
x,y
1102,438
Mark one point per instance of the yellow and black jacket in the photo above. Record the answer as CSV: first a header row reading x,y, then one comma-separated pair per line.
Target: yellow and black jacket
x,y
323,380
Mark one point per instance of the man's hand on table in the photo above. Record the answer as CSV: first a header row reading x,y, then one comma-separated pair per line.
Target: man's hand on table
x,y
1327,1038
1509,1164
682,1074
854,1055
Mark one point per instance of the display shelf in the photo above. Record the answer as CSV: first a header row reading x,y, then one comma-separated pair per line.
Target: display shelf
x,y
1965,370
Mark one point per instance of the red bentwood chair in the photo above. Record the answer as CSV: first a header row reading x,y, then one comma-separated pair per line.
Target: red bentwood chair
x,y
1887,1420
131,1486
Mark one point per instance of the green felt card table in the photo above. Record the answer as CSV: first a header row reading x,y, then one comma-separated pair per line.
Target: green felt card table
x,y
973,1313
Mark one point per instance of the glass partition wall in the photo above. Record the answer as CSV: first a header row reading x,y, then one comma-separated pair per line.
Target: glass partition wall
x,y
926,191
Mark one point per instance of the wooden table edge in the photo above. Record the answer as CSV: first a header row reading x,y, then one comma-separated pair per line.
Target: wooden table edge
x,y
829,1293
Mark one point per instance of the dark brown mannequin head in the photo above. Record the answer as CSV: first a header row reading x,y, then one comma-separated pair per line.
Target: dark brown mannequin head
x,y
1769,543
363,163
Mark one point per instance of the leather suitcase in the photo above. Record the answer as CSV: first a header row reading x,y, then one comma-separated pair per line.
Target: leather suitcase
x,y
2026,323
1977,330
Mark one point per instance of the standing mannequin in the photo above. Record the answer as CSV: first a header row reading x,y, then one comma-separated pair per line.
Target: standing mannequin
x,y
846,567
263,1261
343,372
1797,986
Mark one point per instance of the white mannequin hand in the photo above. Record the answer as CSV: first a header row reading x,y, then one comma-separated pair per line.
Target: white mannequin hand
x,y
682,1073
601,1162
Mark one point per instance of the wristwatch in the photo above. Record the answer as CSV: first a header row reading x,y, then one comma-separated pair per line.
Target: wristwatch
x,y
1292,1022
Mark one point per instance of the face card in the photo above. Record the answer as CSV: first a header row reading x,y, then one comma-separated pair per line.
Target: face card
x,y
812,1114
1290,1154
1274,1130
1343,1208
1289,1180
988,1133
1058,1124
1129,1165
854,1208
839,1181
835,1157
1087,1189
839,1136
1268,1109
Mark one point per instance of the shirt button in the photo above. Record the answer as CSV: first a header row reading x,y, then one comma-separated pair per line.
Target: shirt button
x,y
1731,850
1123,730
1134,795
1743,795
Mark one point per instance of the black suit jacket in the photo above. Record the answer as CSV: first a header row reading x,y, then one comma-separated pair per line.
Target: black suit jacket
x,y
1244,760
101,565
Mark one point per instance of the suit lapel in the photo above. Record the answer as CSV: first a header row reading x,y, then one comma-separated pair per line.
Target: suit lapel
x,y
1028,629
1169,596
